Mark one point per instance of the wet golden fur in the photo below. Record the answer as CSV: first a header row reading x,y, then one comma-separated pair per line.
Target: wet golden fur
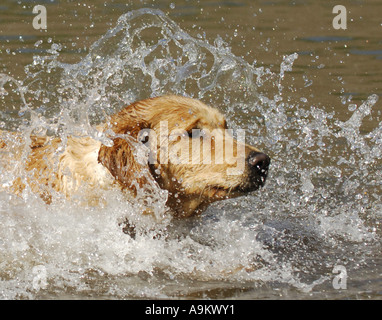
x,y
85,161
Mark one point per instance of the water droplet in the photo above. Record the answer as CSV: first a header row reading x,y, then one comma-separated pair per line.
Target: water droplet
x,y
38,43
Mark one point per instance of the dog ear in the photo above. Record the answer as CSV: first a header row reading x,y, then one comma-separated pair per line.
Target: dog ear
x,y
121,158
122,163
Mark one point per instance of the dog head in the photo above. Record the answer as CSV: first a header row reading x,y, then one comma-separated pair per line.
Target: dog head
x,y
192,153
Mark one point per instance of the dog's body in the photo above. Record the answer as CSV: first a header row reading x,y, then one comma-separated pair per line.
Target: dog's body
x,y
86,161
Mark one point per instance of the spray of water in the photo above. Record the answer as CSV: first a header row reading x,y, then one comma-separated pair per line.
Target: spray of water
x,y
321,206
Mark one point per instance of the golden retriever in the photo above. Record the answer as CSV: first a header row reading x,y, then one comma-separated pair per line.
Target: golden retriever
x,y
177,143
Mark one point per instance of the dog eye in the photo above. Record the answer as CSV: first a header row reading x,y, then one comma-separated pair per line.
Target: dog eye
x,y
143,136
145,139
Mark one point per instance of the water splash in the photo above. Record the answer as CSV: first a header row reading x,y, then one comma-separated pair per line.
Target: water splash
x,y
323,194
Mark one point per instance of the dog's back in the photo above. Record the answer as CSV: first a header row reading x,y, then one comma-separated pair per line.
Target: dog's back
x,y
46,167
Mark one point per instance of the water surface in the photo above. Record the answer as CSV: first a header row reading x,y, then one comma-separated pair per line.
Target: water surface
x,y
305,93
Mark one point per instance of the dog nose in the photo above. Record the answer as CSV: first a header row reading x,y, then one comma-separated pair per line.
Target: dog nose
x,y
258,163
